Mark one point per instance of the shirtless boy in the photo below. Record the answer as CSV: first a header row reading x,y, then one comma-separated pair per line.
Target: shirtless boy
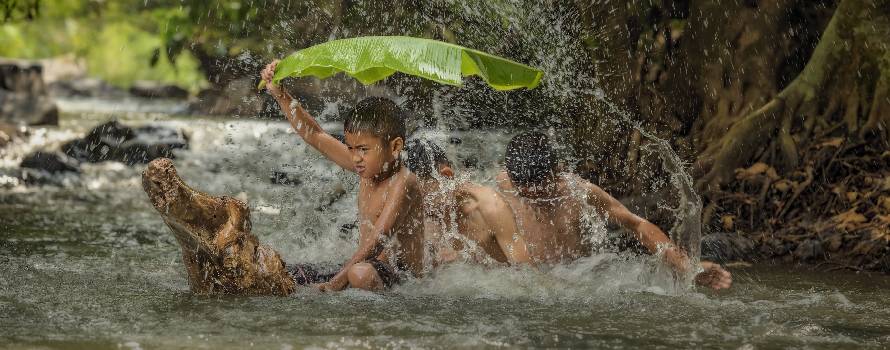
x,y
391,237
485,230
436,177
536,216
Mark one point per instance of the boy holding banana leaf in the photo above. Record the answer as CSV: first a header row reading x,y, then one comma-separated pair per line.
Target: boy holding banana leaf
x,y
391,237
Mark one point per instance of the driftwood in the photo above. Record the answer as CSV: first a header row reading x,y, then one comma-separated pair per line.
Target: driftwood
x,y
220,253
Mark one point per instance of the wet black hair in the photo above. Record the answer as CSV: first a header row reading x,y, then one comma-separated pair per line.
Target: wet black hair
x,y
378,116
423,155
530,159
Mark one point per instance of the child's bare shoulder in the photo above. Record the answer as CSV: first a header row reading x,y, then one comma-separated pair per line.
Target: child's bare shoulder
x,y
404,180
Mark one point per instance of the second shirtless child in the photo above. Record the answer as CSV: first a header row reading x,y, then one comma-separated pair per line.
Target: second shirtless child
x,y
390,208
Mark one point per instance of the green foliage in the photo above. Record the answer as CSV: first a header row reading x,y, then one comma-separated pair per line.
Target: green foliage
x,y
370,59
118,44
13,10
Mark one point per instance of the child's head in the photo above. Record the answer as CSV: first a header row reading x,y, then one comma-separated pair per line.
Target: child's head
x,y
424,156
375,134
531,164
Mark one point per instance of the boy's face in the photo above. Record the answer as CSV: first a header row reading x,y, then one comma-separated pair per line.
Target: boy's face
x,y
371,156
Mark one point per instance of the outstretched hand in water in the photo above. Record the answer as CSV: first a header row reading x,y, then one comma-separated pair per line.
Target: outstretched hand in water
x,y
713,276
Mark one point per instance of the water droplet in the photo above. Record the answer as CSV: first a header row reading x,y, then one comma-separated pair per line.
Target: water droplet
x,y
599,94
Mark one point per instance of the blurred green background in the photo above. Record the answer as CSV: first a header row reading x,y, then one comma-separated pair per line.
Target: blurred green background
x,y
119,41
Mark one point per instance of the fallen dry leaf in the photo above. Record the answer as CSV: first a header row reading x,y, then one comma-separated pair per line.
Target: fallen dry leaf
x,y
754,170
880,234
782,185
849,219
727,221
771,174
832,142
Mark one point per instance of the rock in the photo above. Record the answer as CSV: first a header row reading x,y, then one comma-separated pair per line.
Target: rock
x,y
117,142
330,197
85,87
220,253
286,175
23,95
153,89
773,247
347,230
809,250
42,168
724,247
36,177
239,97
51,162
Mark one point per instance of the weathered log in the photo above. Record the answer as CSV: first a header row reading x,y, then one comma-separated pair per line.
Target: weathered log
x,y
220,253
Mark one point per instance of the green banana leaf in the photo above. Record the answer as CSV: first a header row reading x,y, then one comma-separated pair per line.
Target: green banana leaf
x,y
370,59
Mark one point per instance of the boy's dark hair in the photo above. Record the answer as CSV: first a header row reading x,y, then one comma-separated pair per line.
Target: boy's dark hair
x,y
530,159
423,155
378,116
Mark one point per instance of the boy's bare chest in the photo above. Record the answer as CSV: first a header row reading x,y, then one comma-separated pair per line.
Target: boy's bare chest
x,y
371,202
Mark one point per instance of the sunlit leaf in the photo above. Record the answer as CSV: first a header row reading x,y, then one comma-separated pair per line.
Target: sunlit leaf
x,y
371,59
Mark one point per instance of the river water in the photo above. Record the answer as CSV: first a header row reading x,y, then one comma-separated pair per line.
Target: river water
x,y
89,264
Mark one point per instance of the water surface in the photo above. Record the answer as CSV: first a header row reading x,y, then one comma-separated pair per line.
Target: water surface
x,y
91,265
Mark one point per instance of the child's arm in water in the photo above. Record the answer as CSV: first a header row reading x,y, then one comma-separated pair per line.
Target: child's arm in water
x,y
305,125
371,235
654,239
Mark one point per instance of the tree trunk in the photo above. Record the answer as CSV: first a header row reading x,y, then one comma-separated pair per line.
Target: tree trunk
x,y
847,67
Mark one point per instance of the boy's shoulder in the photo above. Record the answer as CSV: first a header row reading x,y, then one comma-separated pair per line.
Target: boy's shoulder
x,y
404,178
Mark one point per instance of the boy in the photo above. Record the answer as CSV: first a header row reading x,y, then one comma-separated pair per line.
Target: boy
x,y
391,236
422,157
538,217
448,202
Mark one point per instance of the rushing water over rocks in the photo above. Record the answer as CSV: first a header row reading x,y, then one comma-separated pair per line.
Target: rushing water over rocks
x,y
90,264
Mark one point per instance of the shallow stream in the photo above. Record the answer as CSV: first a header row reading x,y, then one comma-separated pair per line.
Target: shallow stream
x,y
91,265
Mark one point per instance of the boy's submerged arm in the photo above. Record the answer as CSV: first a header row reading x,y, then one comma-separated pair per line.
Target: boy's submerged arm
x,y
371,239
652,237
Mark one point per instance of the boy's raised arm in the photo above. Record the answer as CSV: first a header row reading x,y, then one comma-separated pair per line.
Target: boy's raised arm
x,y
654,238
371,236
305,125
